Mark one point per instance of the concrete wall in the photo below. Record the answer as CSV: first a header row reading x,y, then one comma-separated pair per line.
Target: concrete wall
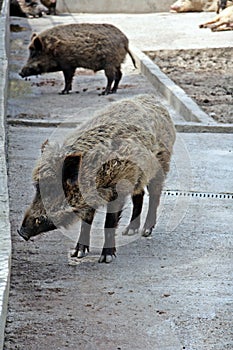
x,y
5,238
114,6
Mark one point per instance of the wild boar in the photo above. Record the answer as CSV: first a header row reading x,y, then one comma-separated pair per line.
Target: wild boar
x,y
221,22
125,147
51,5
194,5
27,8
66,47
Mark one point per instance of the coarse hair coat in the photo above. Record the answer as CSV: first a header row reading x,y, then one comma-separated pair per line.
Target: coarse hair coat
x,y
88,45
124,148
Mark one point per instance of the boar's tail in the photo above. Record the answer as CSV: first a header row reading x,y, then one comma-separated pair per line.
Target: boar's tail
x,y
132,58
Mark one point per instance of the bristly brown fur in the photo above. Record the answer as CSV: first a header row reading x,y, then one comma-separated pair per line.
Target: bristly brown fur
x,y
129,140
125,147
87,45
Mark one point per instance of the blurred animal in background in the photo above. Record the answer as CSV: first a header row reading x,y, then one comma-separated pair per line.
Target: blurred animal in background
x,y
51,5
32,8
194,6
222,22
27,8
222,4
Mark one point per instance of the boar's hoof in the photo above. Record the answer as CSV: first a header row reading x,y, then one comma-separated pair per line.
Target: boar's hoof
x,y
106,92
80,251
113,91
64,92
23,234
130,231
103,93
107,255
146,232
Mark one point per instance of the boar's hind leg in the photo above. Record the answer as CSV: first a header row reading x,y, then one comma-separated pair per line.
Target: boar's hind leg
x,y
154,189
112,218
134,225
113,75
68,75
110,74
83,244
118,76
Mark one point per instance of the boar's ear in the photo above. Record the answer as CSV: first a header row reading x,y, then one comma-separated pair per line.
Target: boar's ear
x,y
44,145
37,43
70,170
33,36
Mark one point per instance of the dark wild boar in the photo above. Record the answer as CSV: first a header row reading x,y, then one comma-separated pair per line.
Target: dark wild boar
x,y
67,47
124,148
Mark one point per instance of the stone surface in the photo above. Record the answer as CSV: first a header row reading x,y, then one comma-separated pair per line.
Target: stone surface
x,y
170,291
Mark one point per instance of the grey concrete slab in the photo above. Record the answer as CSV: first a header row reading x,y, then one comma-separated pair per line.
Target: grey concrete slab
x,y
189,304
204,162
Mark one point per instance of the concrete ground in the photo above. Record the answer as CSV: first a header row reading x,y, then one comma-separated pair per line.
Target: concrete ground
x,y
171,291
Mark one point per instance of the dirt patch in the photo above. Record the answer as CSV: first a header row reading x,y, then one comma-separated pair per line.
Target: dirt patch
x,y
17,28
205,75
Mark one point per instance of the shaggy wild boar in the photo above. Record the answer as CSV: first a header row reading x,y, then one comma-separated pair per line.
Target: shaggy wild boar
x,y
27,8
194,5
66,47
124,148
221,22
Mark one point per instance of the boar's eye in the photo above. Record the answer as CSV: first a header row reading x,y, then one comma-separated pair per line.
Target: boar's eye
x,y
40,220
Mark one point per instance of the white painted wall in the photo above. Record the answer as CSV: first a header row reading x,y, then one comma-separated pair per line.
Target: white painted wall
x,y
114,6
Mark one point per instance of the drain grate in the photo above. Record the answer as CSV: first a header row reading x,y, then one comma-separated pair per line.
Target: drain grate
x,y
198,194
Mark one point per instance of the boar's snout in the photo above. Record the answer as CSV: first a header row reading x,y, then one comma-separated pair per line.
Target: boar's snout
x,y
34,226
22,74
33,68
23,234
26,72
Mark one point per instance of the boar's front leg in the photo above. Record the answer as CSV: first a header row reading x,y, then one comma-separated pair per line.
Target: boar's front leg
x,y
112,218
68,75
134,225
83,244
